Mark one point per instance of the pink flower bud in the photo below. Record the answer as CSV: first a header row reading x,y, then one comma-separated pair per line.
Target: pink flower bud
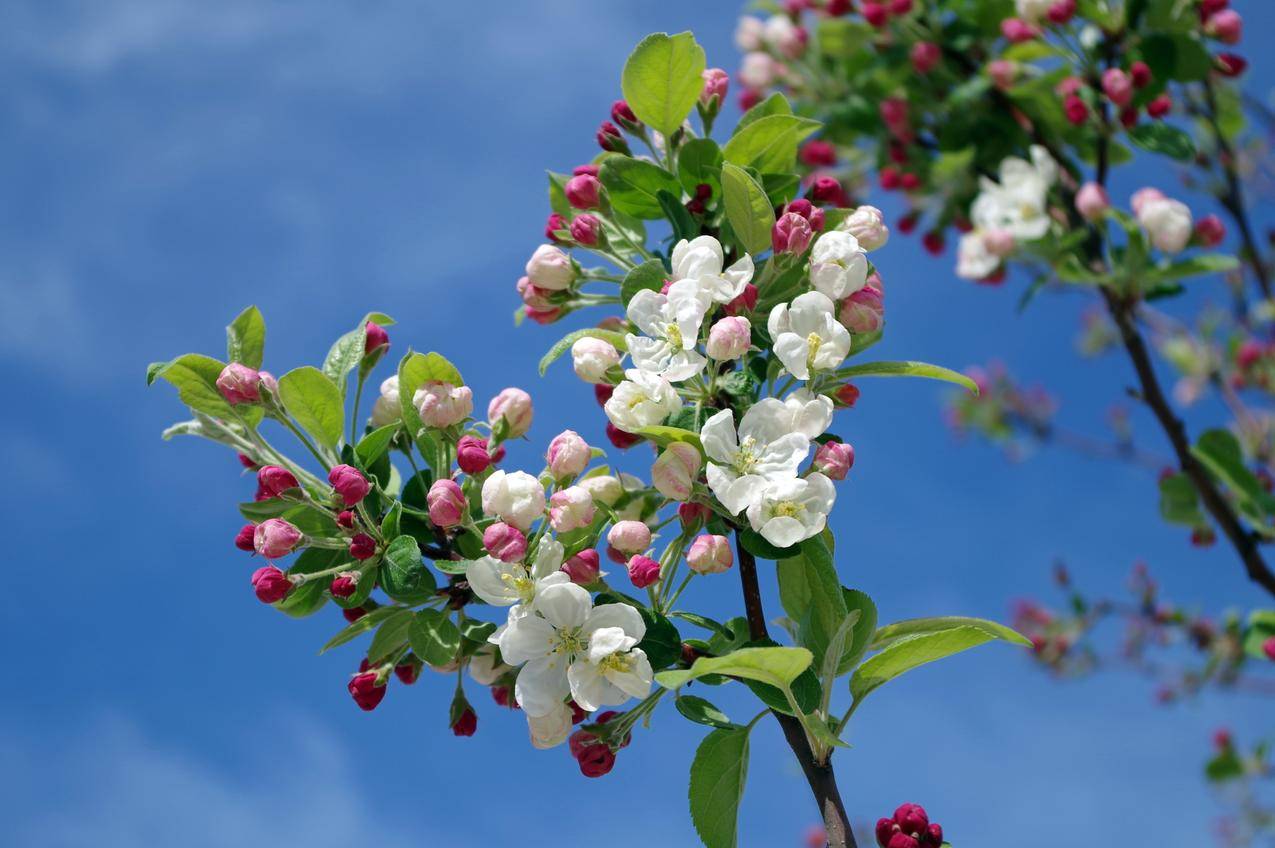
x,y
834,460
623,115
270,584
876,14
925,56
629,537
1118,86
729,338
245,538
586,229
621,439
550,269
533,296
583,191
583,568
1017,30
571,509
555,224
366,691
593,358
710,555
1160,106
847,396
344,584
275,538
442,404
466,724
408,672
1061,12
239,384
349,483
345,519
505,543
863,311
362,546
446,502
1268,648
791,234
568,455
471,455
609,138
1209,231
1075,108
643,571
818,153
1226,26
999,242
1092,202
376,338
692,514
1140,73
1143,196
826,190
676,469
1230,65
274,481
1003,73
514,406
746,302
894,114
716,84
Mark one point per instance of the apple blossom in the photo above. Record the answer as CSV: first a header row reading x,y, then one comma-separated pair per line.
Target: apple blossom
x,y
1017,203
671,323
642,400
551,269
270,584
643,571
675,471
505,543
701,259
486,666
710,555
516,498
551,730
1092,202
583,567
1167,223
442,404
604,488
729,338
504,584
764,448
446,502
838,266
593,358
748,33
807,337
568,455
867,225
788,511
515,407
973,260
388,408
629,537
276,537
716,84
863,311
758,70
570,509
783,36
811,413
239,384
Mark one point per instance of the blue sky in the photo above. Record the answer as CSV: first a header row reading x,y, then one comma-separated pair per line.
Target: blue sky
x,y
167,163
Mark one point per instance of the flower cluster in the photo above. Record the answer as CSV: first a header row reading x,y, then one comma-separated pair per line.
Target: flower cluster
x,y
909,827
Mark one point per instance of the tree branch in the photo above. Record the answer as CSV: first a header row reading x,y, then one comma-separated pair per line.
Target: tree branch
x,y
822,779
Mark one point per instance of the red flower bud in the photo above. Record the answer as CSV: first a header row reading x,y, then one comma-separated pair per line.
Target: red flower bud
x,y
583,567
620,438
408,672
345,519
1160,106
466,724
583,191
643,571
791,234
1268,648
586,230
376,338
239,384
692,514
1076,109
827,190
933,242
876,14
472,455
925,56
270,584
275,480
602,393
890,178
1228,64
610,139
367,693
244,538
746,302
362,547
1209,231
554,225
348,482
353,614
1061,12
818,153
1140,73
344,585
623,115
247,462
848,395
911,818
885,829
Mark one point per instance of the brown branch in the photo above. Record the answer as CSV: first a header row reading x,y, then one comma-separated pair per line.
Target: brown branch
x,y
820,776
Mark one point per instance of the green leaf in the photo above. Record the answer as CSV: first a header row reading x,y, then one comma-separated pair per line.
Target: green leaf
x,y
1220,452
684,226
757,545
843,38
907,369
909,652
1164,139
775,104
434,637
769,144
701,711
634,186
773,666
315,401
747,208
195,378
662,79
702,621
368,622
864,627
699,162
661,643
1259,628
718,774
1208,263
415,370
664,436
391,635
651,274
1180,502
616,339
891,633
811,595
371,447
404,576
246,338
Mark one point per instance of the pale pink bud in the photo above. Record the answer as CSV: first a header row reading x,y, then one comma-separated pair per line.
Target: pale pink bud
x,y
550,268
834,460
1226,26
442,404
275,538
532,296
446,502
863,311
999,242
867,225
571,509
583,568
716,84
1092,202
513,405
729,338
239,384
1003,73
505,543
791,234
269,383
1118,86
1017,30
1143,196
629,537
643,571
592,358
676,469
710,555
568,455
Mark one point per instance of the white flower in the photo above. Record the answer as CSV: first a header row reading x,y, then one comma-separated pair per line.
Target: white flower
x,y
550,268
592,358
973,260
1033,11
758,70
642,400
789,511
1167,222
748,33
442,404
1018,203
701,259
559,636
388,408
551,730
671,323
765,448
504,584
838,266
782,35
516,498
811,413
867,224
604,488
807,336
486,666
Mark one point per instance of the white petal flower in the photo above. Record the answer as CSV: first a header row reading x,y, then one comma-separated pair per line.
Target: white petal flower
x,y
547,641
1033,10
811,413
765,448
486,666
1018,204
790,511
388,408
612,669
807,336
973,260
516,498
1167,222
701,260
671,323
838,266
551,730
642,400
504,584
